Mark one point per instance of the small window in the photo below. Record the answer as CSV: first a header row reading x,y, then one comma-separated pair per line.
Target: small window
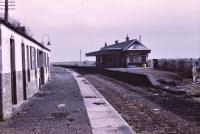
x,y
33,57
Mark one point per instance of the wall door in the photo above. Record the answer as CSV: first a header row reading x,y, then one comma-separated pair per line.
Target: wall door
x,y
13,72
24,72
42,71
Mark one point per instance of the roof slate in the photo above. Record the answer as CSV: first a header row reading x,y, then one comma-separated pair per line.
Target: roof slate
x,y
131,45
134,44
121,45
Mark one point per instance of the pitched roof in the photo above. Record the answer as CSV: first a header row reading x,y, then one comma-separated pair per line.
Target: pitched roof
x,y
131,45
121,45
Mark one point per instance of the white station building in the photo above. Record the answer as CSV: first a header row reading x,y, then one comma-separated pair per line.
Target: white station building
x,y
24,68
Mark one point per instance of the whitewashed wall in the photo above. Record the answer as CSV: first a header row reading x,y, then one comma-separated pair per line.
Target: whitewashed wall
x,y
6,35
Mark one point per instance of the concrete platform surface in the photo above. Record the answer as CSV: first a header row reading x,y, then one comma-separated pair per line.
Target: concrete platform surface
x,y
103,117
57,108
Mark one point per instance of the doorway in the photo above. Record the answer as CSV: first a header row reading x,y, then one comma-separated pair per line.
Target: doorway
x,y
42,71
24,72
13,72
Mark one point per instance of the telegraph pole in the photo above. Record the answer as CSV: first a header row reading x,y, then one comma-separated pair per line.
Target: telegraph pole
x,y
80,56
6,11
7,5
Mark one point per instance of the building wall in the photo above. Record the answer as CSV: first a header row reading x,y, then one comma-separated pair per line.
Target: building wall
x,y
119,60
32,74
112,60
136,58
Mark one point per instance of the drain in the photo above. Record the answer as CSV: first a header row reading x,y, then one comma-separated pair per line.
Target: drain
x,y
86,83
89,97
99,103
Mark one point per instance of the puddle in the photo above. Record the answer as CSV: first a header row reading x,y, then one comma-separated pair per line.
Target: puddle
x,y
71,119
61,105
156,110
60,115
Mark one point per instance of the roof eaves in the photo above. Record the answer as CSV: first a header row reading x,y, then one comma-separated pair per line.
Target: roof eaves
x,y
111,49
22,34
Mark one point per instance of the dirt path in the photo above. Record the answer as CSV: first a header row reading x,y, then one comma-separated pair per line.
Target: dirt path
x,y
149,110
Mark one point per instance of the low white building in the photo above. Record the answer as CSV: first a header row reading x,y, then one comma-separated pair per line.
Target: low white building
x,y
24,67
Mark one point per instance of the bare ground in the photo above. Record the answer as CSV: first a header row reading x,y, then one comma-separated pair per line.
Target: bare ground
x,y
150,110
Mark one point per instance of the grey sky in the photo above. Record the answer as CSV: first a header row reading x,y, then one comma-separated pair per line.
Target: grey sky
x,y
171,28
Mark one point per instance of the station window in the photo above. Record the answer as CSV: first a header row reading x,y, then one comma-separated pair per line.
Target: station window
x,y
33,57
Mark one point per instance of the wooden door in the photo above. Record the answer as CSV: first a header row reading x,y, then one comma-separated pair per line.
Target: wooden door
x,y
13,72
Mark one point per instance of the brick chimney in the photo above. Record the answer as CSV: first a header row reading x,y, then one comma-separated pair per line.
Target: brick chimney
x,y
106,44
116,42
140,38
127,38
22,29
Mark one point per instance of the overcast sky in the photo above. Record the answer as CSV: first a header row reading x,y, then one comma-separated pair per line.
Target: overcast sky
x,y
171,28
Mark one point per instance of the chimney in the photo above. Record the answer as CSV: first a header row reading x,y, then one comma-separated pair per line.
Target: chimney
x,y
22,29
106,44
140,38
116,42
127,38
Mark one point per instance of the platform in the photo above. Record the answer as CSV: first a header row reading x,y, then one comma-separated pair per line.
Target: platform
x,y
103,117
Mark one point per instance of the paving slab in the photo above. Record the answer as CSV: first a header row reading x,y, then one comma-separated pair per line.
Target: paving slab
x,y
99,115
103,117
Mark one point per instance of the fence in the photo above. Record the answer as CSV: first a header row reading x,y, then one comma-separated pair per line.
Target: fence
x,y
182,66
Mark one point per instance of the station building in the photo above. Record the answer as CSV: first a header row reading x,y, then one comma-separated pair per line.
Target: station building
x,y
125,54
24,67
